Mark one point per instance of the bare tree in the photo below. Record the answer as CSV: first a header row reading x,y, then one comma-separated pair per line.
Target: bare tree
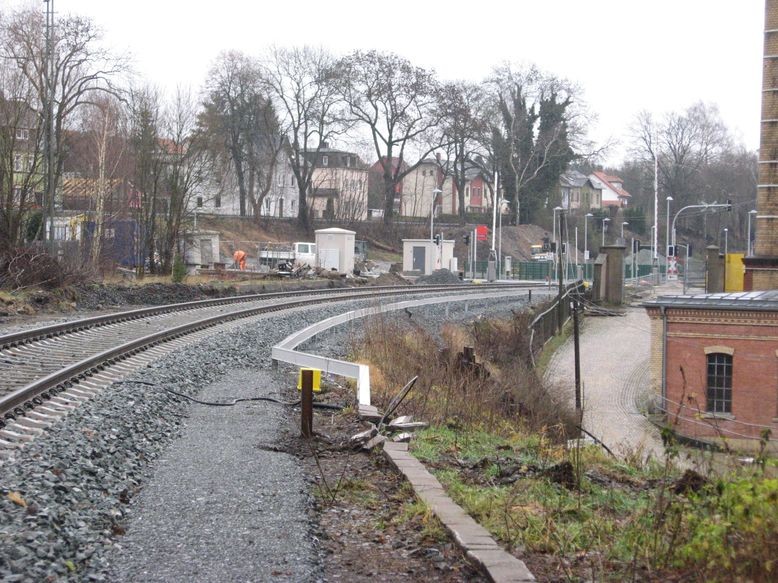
x,y
240,120
684,143
536,122
698,161
187,164
303,83
397,102
464,129
104,124
21,176
146,175
81,67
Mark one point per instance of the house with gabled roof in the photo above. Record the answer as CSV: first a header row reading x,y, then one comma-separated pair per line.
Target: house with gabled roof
x,y
576,191
612,187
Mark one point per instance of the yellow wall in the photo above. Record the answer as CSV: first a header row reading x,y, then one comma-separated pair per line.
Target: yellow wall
x,y
735,270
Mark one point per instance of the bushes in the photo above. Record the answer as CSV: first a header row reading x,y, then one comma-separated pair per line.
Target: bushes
x,y
502,389
733,531
178,273
23,267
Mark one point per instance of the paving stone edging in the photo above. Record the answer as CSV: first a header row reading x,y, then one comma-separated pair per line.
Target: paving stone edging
x,y
476,542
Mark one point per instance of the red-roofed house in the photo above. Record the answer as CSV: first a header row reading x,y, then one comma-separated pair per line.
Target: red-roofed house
x,y
613,193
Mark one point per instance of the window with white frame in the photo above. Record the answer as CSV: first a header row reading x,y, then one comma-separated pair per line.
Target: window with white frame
x,y
22,134
325,160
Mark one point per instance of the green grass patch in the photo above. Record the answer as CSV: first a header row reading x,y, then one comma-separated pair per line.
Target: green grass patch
x,y
629,516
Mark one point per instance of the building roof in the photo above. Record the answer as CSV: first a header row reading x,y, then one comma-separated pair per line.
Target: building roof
x,y
761,301
335,231
573,179
610,181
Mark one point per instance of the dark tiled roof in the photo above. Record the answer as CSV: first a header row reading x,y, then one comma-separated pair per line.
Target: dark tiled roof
x,y
763,301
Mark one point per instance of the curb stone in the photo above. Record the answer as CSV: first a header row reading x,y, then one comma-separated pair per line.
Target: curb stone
x,y
474,540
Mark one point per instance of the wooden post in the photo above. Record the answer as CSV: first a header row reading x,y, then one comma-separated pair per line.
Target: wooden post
x,y
306,401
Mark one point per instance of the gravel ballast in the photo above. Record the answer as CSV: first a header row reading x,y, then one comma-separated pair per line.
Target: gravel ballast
x,y
139,484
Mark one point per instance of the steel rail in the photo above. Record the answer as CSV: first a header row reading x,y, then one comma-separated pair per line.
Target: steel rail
x,y
24,397
31,335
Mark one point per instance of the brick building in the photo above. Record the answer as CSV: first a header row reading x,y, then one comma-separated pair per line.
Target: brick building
x,y
714,363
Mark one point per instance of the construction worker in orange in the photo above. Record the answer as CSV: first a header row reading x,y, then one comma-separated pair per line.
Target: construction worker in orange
x,y
240,259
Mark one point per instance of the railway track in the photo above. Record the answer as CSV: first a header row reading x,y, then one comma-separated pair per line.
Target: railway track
x,y
49,366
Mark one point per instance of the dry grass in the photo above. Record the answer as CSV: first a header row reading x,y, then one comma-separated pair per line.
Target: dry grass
x,y
503,392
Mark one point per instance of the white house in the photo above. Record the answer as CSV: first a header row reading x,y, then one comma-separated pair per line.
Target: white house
x,y
612,188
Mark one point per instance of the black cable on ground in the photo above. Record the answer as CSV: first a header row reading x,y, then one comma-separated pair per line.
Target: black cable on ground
x,y
235,401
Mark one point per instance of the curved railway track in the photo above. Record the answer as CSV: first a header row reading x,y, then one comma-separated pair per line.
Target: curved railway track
x,y
37,365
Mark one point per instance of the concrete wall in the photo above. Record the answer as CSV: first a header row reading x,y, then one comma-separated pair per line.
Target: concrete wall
x,y
614,277
599,277
714,270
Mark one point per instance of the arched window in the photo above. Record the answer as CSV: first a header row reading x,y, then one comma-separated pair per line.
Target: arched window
x,y
719,389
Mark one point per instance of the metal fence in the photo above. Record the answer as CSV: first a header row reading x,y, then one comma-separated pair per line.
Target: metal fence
x,y
553,316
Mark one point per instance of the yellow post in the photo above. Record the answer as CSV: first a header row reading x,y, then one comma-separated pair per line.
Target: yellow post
x,y
316,379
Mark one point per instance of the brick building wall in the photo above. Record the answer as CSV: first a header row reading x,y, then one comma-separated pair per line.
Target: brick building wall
x,y
752,340
656,356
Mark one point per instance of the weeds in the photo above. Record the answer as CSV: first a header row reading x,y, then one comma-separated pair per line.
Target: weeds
x,y
504,392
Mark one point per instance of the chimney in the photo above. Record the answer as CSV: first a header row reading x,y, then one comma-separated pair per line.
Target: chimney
x,y
325,145
762,268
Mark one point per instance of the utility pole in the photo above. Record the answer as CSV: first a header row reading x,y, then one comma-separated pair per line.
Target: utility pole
x,y
48,205
575,308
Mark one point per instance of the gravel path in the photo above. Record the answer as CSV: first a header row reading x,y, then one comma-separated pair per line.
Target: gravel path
x,y
222,505
140,485
614,375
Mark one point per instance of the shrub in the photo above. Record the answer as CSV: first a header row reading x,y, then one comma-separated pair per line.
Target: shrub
x,y
502,389
31,266
733,532
178,273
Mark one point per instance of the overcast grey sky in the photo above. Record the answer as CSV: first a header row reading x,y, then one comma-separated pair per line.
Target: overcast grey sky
x,y
627,56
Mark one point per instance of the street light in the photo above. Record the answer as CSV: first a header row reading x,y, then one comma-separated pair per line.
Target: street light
x,y
749,248
667,232
435,194
622,228
605,220
586,236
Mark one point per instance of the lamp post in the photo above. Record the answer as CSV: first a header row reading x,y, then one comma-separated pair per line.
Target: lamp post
x,y
622,228
667,232
726,233
605,220
749,250
586,236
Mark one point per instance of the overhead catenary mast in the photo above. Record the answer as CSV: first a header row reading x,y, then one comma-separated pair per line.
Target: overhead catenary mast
x,y
48,203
